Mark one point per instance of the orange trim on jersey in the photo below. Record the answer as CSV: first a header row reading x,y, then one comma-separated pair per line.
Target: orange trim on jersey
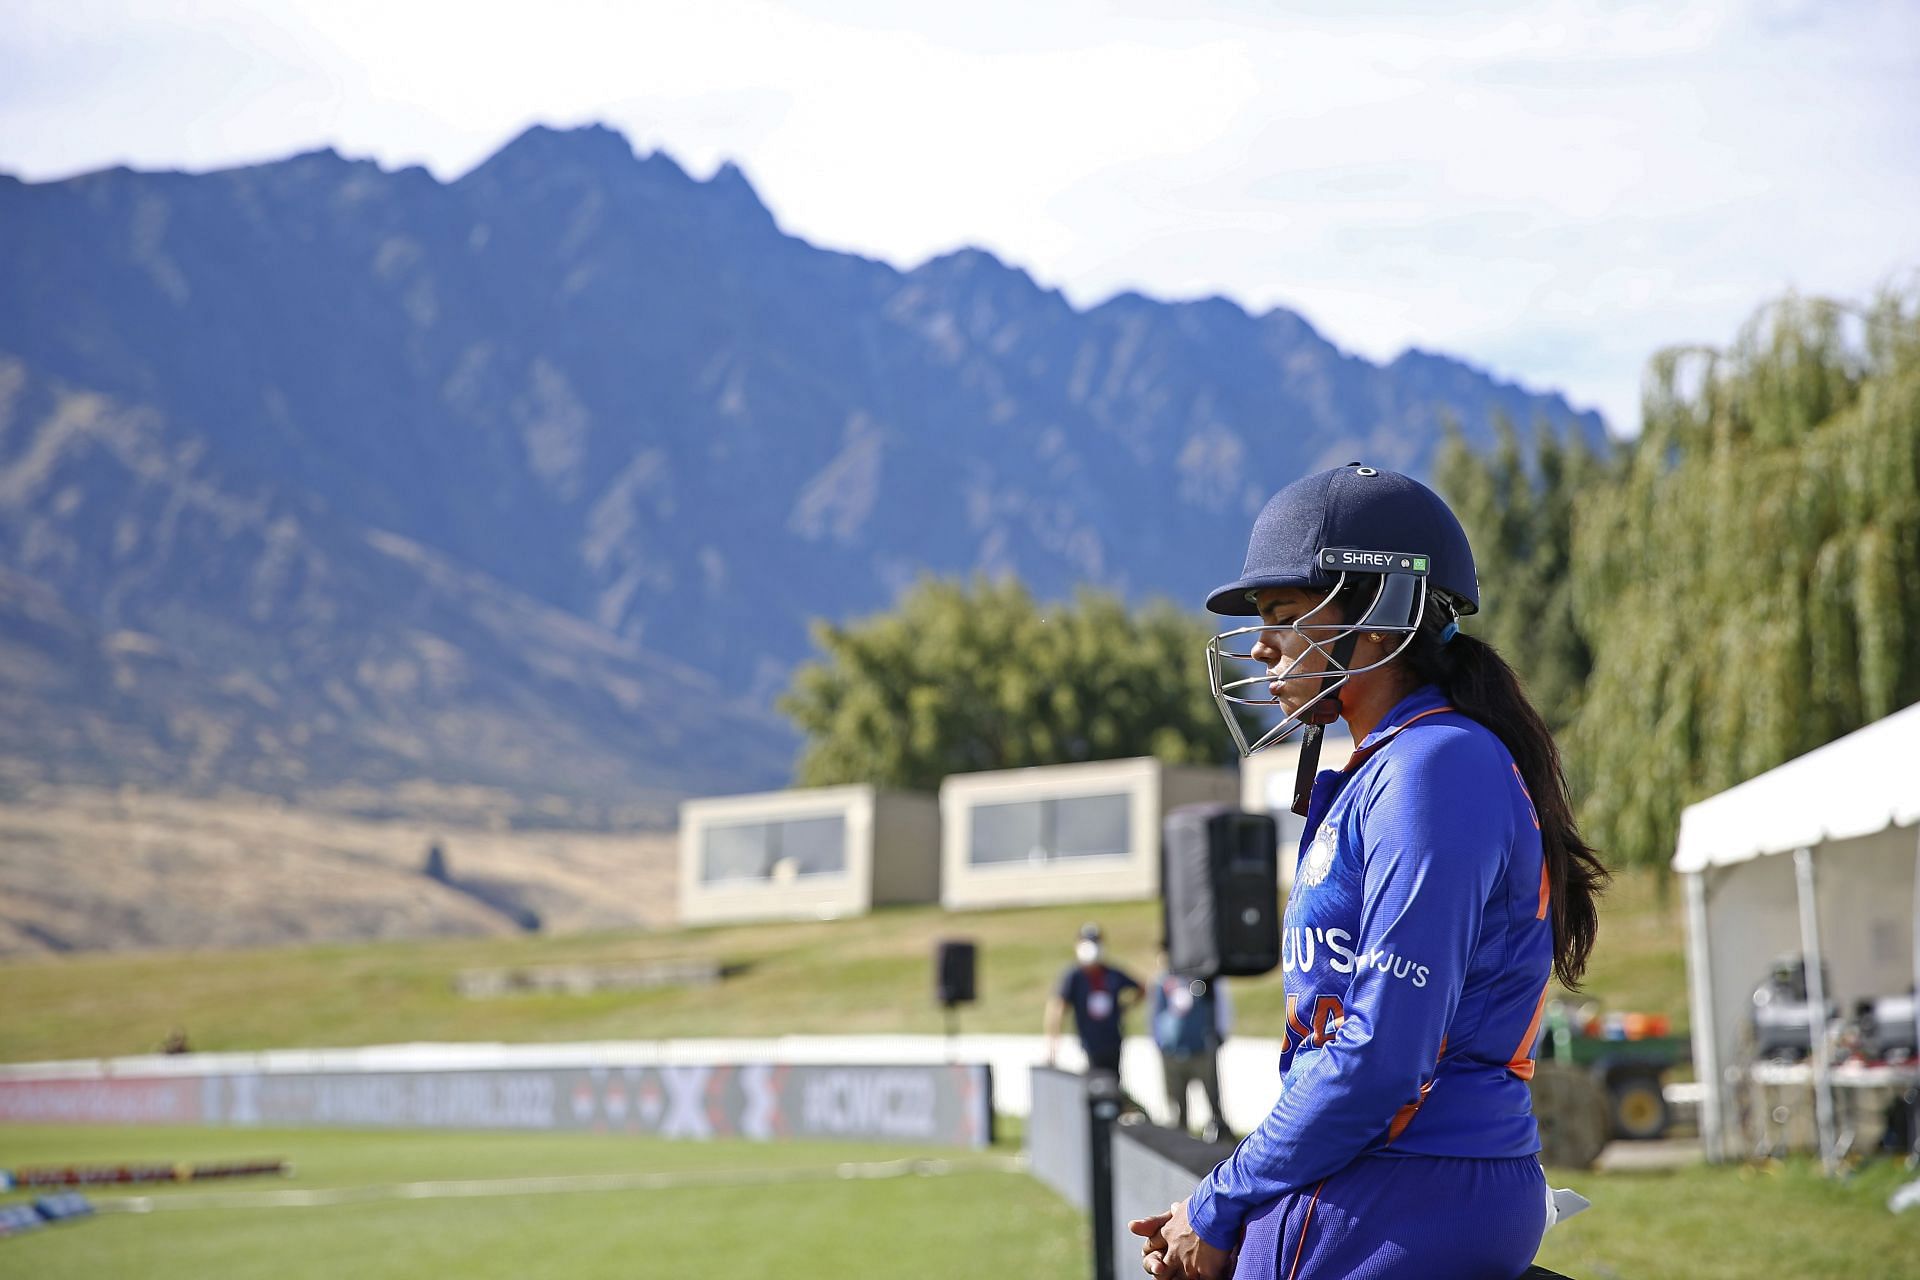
x,y
1430,711
1520,1064
1359,757
1300,1250
1533,810
1404,1116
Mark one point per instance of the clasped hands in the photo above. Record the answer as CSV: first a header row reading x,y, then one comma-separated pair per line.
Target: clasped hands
x,y
1170,1250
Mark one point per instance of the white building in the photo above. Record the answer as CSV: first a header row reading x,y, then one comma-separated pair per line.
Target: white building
x,y
1266,786
813,853
1064,833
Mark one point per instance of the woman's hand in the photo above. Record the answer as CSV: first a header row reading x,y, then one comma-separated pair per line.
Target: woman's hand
x,y
1172,1251
1153,1249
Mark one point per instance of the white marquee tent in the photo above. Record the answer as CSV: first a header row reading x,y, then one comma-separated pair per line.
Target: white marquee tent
x,y
1849,816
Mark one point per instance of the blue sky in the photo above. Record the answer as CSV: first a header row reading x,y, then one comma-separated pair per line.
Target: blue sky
x,y
1554,190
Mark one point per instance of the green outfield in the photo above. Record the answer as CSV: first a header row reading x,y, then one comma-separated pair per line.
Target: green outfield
x,y
582,1206
586,1206
871,974
1730,1223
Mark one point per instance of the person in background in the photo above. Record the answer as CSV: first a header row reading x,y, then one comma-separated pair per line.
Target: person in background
x,y
1190,1019
1099,996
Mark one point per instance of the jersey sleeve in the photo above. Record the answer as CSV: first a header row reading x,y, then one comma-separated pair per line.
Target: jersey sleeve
x,y
1123,981
1065,989
1437,831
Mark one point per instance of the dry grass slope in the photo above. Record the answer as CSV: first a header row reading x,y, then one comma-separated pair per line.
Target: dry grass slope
x,y
87,869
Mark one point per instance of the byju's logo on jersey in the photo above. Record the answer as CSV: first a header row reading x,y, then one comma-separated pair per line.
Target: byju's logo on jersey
x,y
1319,859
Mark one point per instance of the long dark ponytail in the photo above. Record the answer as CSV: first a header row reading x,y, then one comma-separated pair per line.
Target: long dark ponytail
x,y
1479,683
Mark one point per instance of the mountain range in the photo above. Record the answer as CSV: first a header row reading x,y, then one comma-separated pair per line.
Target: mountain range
x,y
352,486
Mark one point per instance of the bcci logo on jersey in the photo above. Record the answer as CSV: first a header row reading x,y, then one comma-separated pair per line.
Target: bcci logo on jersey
x,y
1319,859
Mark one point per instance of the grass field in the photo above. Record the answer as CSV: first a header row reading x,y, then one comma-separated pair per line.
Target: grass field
x,y
733,1209
724,1209
740,1210
1728,1223
871,974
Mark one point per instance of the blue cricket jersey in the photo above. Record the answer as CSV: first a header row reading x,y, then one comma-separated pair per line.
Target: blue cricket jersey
x,y
1417,952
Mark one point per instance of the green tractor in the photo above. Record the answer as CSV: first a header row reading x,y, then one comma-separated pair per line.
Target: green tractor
x,y
1589,1089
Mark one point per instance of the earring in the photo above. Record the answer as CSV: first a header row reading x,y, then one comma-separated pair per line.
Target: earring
x,y
1376,637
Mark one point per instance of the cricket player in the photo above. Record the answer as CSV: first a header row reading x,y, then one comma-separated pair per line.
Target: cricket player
x,y
1440,886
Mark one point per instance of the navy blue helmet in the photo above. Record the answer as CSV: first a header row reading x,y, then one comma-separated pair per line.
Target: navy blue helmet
x,y
1382,541
1351,508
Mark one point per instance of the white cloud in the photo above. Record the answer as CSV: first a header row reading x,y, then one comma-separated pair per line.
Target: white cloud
x,y
1554,189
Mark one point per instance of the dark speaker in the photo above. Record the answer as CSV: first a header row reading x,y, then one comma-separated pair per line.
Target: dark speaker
x,y
1220,891
953,972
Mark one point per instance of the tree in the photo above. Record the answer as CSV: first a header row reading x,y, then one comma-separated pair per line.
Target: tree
x,y
1748,578
967,676
1517,507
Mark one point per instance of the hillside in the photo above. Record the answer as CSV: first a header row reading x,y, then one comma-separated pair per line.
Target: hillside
x,y
168,625
84,869
318,476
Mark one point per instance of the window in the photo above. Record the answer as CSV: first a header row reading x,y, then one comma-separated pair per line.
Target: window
x,y
736,852
1041,831
1090,826
1009,832
774,850
817,846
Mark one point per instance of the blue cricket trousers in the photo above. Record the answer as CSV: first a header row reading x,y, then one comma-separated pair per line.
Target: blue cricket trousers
x,y
1403,1218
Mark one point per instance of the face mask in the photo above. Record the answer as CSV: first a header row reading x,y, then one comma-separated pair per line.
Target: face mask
x,y
1088,953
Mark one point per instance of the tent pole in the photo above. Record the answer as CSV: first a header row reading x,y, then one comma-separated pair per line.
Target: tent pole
x,y
1706,1016
1913,1156
1817,1005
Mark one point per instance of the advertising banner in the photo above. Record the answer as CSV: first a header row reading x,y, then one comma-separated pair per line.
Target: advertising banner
x,y
944,1104
117,1100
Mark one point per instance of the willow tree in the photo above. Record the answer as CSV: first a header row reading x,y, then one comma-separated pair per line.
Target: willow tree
x,y
962,676
1748,581
1517,507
